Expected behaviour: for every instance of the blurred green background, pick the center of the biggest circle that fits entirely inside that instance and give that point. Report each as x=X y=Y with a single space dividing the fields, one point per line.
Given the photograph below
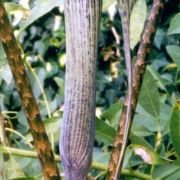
x=154 y=146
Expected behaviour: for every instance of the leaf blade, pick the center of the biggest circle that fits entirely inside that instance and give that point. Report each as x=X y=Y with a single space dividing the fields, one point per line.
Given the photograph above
x=137 y=20
x=41 y=8
x=149 y=96
x=174 y=53
x=104 y=132
x=175 y=25
x=175 y=128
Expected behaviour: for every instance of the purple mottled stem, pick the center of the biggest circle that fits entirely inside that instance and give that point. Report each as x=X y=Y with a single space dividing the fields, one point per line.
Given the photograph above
x=78 y=126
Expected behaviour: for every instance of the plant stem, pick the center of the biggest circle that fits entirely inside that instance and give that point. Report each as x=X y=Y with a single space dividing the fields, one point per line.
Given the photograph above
x=96 y=165
x=82 y=19
x=41 y=142
x=138 y=74
x=20 y=135
x=2 y=130
x=43 y=95
x=3 y=141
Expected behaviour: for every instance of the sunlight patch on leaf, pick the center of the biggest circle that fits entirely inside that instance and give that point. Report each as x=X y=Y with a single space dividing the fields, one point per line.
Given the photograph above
x=13 y=169
x=112 y=114
x=146 y=151
x=13 y=8
x=5 y=71
x=18 y=11
x=112 y=11
x=144 y=154
x=107 y=4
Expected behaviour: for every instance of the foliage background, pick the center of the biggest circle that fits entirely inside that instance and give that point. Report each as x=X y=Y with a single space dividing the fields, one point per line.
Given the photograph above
x=155 y=136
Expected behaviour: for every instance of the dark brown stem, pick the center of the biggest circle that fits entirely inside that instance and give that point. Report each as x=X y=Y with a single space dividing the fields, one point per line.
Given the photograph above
x=29 y=103
x=138 y=74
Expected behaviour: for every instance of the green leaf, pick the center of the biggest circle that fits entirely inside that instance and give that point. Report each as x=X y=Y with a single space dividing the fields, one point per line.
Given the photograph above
x=146 y=120
x=41 y=8
x=107 y=3
x=162 y=171
x=2 y=161
x=5 y=72
x=149 y=96
x=145 y=151
x=140 y=141
x=167 y=171
x=52 y=126
x=60 y=83
x=104 y=132
x=13 y=169
x=101 y=156
x=140 y=130
x=157 y=77
x=165 y=115
x=127 y=158
x=30 y=166
x=175 y=175
x=113 y=113
x=159 y=39
x=2 y=56
x=175 y=25
x=137 y=20
x=174 y=52
x=13 y=8
x=22 y=119
x=175 y=128
x=131 y=3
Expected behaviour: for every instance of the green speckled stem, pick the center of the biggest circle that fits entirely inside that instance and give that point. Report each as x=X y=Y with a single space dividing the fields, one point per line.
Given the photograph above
x=78 y=126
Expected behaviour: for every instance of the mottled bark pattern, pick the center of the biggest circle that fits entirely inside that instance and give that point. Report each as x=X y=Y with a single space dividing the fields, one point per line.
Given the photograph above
x=78 y=126
x=124 y=7
x=138 y=73
x=29 y=104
